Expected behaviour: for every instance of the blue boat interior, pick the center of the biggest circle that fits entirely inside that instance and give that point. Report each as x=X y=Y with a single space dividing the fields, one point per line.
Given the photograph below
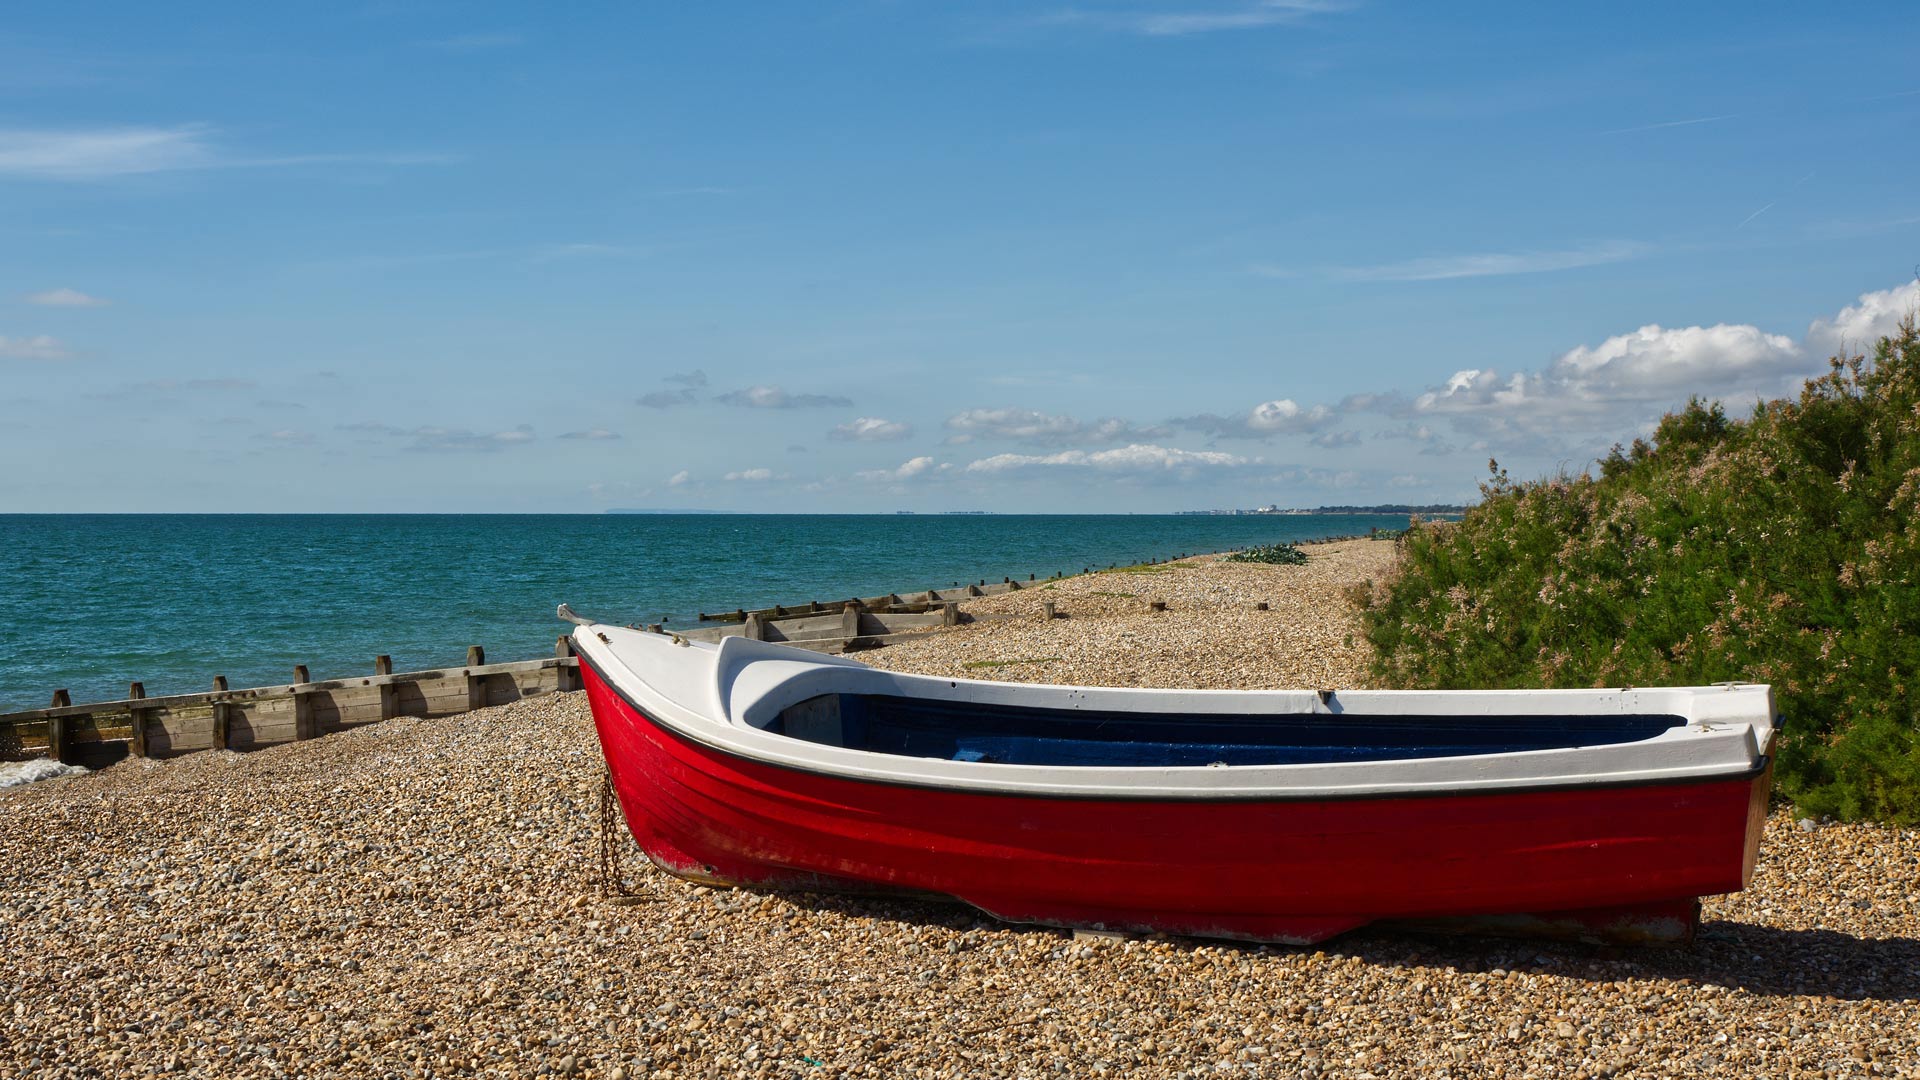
x=1019 y=735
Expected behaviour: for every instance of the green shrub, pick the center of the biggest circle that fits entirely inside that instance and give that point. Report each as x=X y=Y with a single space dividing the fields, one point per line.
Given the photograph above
x=1278 y=554
x=1784 y=549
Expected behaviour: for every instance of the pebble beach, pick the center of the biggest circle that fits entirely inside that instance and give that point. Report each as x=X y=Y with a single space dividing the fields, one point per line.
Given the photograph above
x=423 y=898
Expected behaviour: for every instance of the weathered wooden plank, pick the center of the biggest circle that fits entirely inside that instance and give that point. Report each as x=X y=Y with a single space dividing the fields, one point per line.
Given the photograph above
x=383 y=665
x=57 y=748
x=476 y=684
x=222 y=715
x=137 y=722
x=259 y=692
x=303 y=723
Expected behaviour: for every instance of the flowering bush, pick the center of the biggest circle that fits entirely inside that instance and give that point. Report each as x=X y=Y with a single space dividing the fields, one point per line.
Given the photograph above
x=1782 y=549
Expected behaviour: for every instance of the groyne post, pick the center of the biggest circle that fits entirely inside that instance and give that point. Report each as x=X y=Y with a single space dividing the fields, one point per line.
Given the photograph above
x=389 y=693
x=136 y=721
x=222 y=715
x=57 y=729
x=568 y=678
x=476 y=684
x=303 y=725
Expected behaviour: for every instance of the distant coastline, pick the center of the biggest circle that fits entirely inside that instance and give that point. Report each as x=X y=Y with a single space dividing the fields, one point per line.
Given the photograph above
x=1388 y=508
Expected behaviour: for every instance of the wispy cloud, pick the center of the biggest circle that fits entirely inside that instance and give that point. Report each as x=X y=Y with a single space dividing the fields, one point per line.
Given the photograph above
x=151 y=388
x=471 y=43
x=104 y=152
x=71 y=298
x=286 y=437
x=688 y=382
x=555 y=252
x=1139 y=461
x=101 y=153
x=1671 y=124
x=39 y=347
x=432 y=438
x=774 y=397
x=1255 y=15
x=1042 y=429
x=592 y=435
x=1745 y=221
x=1485 y=264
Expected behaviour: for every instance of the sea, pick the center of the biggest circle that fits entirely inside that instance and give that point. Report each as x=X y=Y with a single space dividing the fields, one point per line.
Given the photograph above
x=90 y=603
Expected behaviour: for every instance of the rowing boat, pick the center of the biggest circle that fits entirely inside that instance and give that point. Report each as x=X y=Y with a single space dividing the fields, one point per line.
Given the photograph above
x=1273 y=815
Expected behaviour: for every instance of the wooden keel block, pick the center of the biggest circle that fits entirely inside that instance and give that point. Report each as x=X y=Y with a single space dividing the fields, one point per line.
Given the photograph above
x=57 y=747
x=752 y=628
x=950 y=613
x=1047 y=612
x=136 y=721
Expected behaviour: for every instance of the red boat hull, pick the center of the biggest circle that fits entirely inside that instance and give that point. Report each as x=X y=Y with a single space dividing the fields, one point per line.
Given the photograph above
x=1615 y=861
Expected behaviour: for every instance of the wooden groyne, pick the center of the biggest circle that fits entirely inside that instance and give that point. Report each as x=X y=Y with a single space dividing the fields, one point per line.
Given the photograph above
x=102 y=732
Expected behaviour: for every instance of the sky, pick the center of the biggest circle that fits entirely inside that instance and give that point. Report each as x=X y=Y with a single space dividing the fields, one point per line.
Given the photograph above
x=1092 y=256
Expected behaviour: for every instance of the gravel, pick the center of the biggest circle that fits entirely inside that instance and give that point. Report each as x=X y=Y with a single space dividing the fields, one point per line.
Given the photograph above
x=419 y=898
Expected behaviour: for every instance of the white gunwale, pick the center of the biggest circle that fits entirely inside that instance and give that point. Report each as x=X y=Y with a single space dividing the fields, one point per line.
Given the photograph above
x=722 y=696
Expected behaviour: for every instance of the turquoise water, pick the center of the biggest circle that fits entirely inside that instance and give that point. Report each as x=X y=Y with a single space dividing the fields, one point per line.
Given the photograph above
x=91 y=602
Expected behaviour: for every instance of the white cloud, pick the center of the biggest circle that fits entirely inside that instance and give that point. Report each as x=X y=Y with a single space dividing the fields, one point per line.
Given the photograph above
x=1653 y=362
x=1041 y=429
x=593 y=434
x=774 y=397
x=870 y=429
x=1650 y=365
x=908 y=470
x=1858 y=325
x=754 y=476
x=1487 y=264
x=73 y=298
x=1282 y=416
x=679 y=479
x=40 y=347
x=1138 y=459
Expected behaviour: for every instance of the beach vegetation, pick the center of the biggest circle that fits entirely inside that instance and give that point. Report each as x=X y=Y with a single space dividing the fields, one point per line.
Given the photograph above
x=1288 y=554
x=1783 y=548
